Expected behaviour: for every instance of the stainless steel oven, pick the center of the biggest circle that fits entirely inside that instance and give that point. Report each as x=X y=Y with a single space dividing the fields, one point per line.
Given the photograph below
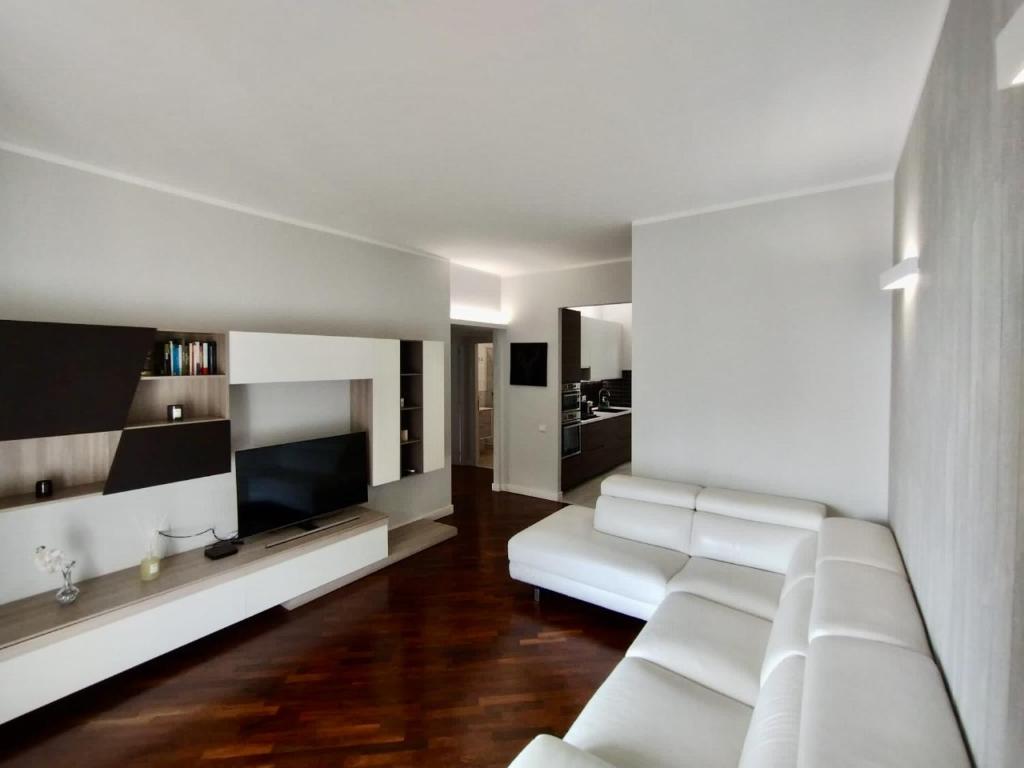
x=570 y=397
x=572 y=435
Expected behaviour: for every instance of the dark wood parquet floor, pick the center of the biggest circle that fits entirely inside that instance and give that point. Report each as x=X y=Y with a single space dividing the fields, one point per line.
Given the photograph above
x=439 y=660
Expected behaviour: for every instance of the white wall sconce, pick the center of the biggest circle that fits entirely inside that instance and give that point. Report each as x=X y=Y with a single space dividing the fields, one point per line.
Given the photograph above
x=900 y=276
x=1010 y=52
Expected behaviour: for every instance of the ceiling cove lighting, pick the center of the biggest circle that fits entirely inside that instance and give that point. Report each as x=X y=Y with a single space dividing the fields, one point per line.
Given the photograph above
x=1010 y=52
x=492 y=318
x=900 y=276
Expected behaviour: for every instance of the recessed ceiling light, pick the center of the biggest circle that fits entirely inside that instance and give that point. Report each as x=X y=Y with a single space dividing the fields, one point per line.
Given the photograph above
x=1010 y=52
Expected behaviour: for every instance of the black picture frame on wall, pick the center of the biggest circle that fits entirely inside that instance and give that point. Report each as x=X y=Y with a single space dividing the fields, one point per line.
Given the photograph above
x=528 y=364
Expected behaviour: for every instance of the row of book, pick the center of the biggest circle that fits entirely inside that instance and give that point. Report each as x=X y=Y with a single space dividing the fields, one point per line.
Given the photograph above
x=184 y=358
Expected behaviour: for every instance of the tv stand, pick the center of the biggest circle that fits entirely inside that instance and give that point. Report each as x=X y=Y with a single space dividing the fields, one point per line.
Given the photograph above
x=309 y=527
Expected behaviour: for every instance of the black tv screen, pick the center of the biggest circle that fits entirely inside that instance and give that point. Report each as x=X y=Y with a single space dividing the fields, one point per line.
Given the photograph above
x=291 y=483
x=528 y=364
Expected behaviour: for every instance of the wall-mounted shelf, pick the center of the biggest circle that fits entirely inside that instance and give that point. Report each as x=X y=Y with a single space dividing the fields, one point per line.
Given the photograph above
x=71 y=392
x=30 y=500
x=165 y=423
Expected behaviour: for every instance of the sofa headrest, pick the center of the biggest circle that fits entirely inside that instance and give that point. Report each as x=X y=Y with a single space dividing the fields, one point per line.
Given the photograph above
x=859 y=541
x=762 y=508
x=854 y=600
x=654 y=491
x=661 y=525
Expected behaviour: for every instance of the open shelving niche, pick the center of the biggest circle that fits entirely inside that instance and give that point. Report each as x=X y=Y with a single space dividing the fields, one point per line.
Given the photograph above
x=411 y=375
x=79 y=464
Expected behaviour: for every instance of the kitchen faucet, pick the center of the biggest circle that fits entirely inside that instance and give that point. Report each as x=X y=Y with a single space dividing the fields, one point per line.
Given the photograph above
x=604 y=397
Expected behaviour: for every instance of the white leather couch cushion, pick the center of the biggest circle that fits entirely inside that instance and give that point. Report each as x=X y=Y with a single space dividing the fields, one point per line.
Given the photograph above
x=654 y=491
x=860 y=542
x=644 y=715
x=746 y=589
x=711 y=644
x=758 y=545
x=548 y=752
x=774 y=734
x=658 y=524
x=762 y=508
x=613 y=601
x=789 y=630
x=565 y=544
x=855 y=600
x=803 y=564
x=869 y=703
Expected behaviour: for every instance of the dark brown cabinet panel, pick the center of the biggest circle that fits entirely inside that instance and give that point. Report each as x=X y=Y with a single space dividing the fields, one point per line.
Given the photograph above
x=166 y=454
x=572 y=338
x=606 y=444
x=66 y=379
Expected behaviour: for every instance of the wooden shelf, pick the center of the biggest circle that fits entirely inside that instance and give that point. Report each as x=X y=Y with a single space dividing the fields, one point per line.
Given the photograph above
x=409 y=442
x=61 y=494
x=413 y=408
x=165 y=423
x=186 y=378
x=412 y=374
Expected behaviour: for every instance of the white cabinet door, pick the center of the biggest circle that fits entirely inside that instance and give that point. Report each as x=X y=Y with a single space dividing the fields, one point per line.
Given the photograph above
x=433 y=405
x=101 y=648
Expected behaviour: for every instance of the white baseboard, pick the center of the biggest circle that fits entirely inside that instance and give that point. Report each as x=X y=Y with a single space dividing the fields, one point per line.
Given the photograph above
x=537 y=493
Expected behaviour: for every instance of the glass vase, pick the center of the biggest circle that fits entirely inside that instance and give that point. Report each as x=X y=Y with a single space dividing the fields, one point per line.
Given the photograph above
x=69 y=592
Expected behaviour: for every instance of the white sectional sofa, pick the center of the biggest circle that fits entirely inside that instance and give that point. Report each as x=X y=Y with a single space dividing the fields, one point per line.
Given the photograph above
x=776 y=637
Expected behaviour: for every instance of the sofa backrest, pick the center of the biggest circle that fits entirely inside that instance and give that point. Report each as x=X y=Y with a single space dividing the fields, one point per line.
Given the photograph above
x=752 y=529
x=873 y=694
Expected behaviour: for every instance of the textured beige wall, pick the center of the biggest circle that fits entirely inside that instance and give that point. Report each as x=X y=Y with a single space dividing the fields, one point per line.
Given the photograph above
x=955 y=494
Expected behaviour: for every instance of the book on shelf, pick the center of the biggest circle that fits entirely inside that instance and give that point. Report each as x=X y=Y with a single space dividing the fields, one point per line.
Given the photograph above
x=182 y=357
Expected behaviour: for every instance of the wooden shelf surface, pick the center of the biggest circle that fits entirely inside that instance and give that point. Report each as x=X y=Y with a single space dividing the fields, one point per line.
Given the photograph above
x=185 y=377
x=409 y=442
x=165 y=423
x=61 y=494
x=39 y=615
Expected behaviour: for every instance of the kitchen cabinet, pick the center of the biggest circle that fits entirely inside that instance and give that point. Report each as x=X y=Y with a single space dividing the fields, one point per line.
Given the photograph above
x=606 y=443
x=571 y=341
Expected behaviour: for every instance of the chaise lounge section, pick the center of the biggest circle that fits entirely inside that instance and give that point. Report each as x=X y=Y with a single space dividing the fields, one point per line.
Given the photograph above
x=776 y=636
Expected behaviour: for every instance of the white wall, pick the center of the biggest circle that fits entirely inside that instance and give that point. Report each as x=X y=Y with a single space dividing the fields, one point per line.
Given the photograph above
x=472 y=289
x=532 y=461
x=761 y=348
x=76 y=247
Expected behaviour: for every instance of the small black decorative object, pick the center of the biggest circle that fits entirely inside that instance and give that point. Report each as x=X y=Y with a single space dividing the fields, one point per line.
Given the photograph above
x=175 y=412
x=44 y=489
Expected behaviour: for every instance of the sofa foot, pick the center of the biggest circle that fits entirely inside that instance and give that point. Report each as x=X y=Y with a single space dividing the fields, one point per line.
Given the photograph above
x=536 y=594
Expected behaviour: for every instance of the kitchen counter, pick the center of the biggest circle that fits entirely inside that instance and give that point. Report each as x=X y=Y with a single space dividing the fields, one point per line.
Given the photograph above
x=598 y=416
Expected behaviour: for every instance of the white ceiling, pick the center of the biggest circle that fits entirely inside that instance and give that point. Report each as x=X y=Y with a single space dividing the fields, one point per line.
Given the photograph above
x=510 y=136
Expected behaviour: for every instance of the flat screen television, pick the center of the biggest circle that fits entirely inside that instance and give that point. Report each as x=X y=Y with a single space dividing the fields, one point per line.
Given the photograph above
x=294 y=483
x=528 y=364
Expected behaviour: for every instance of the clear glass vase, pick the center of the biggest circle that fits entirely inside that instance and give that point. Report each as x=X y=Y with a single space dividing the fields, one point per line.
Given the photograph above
x=69 y=592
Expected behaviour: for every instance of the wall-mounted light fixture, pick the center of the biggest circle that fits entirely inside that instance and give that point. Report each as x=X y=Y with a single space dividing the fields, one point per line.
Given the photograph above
x=482 y=316
x=900 y=276
x=1010 y=52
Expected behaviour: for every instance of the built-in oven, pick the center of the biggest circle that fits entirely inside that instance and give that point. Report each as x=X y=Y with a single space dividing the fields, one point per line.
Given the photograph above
x=570 y=397
x=572 y=436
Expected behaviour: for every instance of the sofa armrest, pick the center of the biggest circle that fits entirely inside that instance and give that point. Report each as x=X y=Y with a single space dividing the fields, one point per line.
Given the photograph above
x=548 y=752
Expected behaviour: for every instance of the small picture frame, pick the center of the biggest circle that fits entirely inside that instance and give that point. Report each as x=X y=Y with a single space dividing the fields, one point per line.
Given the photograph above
x=175 y=412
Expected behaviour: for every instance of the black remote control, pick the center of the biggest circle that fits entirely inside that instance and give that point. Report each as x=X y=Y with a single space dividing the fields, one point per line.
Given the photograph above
x=220 y=549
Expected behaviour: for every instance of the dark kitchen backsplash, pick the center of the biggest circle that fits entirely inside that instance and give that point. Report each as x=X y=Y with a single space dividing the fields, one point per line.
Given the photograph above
x=621 y=390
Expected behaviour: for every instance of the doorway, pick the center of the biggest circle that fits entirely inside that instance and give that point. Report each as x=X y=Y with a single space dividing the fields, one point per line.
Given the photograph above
x=473 y=401
x=484 y=404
